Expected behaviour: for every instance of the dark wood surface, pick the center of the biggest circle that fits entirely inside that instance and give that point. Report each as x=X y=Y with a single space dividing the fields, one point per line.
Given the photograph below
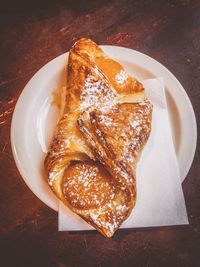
x=31 y=34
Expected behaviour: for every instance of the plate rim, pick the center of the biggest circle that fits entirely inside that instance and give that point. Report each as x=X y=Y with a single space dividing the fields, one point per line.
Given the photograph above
x=19 y=165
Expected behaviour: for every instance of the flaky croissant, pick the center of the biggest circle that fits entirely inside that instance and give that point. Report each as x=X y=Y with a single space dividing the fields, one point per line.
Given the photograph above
x=91 y=163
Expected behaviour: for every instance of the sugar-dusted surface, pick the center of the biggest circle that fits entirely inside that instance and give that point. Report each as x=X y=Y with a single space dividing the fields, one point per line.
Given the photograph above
x=78 y=184
x=87 y=185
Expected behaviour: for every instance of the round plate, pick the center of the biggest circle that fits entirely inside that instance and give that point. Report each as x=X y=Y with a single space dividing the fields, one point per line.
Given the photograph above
x=36 y=115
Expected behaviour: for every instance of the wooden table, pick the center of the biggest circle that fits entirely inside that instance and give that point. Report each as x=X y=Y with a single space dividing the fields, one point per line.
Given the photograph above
x=31 y=35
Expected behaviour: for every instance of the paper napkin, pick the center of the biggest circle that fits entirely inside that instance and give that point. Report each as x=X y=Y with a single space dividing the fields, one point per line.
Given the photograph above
x=160 y=199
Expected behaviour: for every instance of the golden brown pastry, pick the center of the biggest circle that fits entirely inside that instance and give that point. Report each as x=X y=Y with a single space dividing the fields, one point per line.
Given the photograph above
x=91 y=163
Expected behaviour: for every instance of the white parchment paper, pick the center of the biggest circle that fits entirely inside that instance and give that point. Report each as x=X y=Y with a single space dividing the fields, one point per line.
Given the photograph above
x=160 y=200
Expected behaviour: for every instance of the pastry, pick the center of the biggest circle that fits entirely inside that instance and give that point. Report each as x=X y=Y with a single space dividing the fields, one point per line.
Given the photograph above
x=92 y=158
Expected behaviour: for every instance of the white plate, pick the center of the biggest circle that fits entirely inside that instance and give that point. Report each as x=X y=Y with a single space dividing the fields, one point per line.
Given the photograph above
x=35 y=116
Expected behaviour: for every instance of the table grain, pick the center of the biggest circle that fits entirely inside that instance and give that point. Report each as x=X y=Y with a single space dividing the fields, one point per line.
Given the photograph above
x=31 y=34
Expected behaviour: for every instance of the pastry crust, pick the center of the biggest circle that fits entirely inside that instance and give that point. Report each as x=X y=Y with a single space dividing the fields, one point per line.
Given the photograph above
x=91 y=163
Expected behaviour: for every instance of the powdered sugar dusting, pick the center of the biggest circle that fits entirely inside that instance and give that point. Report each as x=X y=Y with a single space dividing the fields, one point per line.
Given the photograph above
x=97 y=93
x=110 y=216
x=121 y=77
x=87 y=186
x=88 y=189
